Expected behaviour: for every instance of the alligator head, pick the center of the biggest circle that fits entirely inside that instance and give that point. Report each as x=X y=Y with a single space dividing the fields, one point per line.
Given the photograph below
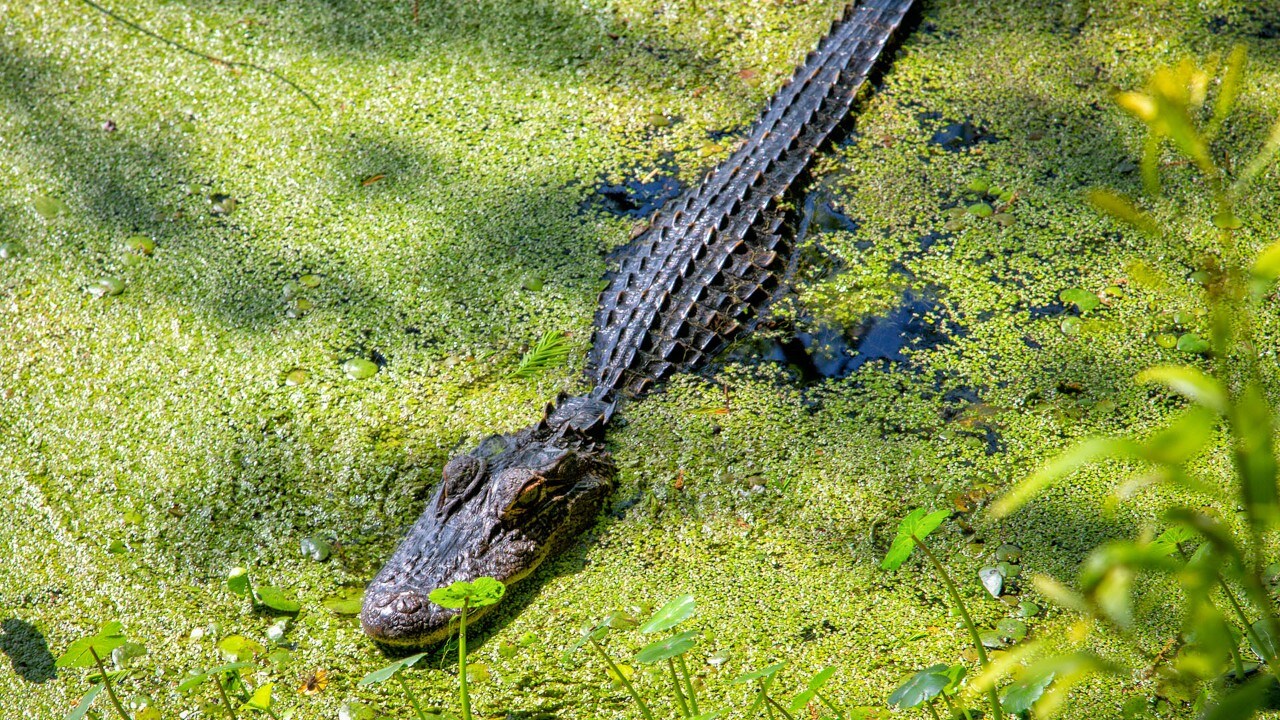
x=498 y=511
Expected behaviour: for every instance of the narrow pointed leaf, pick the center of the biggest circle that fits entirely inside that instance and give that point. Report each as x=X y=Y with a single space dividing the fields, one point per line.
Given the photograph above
x=1255 y=456
x=1060 y=467
x=1191 y=383
x=83 y=708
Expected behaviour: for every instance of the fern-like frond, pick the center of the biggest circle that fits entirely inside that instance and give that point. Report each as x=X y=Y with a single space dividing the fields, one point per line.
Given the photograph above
x=551 y=349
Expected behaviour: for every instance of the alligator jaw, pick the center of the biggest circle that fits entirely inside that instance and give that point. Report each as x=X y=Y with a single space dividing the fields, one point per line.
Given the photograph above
x=498 y=512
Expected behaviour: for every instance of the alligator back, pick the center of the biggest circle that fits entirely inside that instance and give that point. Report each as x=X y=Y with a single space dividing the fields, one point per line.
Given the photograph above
x=713 y=258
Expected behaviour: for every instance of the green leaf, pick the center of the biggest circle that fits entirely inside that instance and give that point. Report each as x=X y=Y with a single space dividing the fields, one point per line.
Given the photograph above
x=954 y=674
x=1229 y=88
x=238 y=580
x=1259 y=161
x=1241 y=703
x=83 y=708
x=1060 y=467
x=261 y=698
x=238 y=647
x=1265 y=645
x=1267 y=265
x=48 y=207
x=917 y=524
x=667 y=648
x=387 y=671
x=276 y=599
x=1021 y=695
x=670 y=615
x=192 y=682
x=765 y=672
x=551 y=349
x=345 y=604
x=479 y=593
x=818 y=680
x=1081 y=298
x=1255 y=456
x=80 y=652
x=920 y=688
x=1122 y=209
x=1192 y=343
x=1182 y=439
x=1191 y=383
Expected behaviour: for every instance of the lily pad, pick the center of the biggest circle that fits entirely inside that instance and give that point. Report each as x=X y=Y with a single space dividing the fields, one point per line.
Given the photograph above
x=667 y=648
x=668 y=616
x=359 y=368
x=1081 y=298
x=276 y=599
x=48 y=207
x=105 y=286
x=1192 y=343
x=920 y=688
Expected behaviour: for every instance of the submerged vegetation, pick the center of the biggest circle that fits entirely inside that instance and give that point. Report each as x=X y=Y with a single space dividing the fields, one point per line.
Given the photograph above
x=218 y=349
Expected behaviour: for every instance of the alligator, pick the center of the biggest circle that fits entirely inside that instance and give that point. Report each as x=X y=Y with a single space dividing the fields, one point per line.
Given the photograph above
x=711 y=262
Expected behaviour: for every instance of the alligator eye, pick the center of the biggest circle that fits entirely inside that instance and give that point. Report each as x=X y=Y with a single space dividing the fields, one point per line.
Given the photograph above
x=459 y=475
x=530 y=495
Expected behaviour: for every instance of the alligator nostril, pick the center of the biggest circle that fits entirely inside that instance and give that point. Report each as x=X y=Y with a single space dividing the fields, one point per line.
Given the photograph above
x=408 y=602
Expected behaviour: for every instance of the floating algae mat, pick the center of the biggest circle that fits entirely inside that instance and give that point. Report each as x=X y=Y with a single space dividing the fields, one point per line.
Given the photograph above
x=185 y=418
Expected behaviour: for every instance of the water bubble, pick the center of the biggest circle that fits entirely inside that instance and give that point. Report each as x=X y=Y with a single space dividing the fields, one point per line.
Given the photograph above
x=359 y=368
x=222 y=204
x=1071 y=325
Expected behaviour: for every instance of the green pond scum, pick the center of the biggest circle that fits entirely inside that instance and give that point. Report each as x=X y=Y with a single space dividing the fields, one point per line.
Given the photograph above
x=230 y=322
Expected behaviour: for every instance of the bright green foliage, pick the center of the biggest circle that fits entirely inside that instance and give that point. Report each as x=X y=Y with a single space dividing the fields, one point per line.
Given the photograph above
x=1218 y=562
x=479 y=593
x=917 y=525
x=81 y=652
x=387 y=671
x=920 y=688
x=668 y=616
x=667 y=648
x=552 y=349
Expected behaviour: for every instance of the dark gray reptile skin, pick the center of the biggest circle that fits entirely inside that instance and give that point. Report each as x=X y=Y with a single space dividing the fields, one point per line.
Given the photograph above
x=716 y=256
x=709 y=264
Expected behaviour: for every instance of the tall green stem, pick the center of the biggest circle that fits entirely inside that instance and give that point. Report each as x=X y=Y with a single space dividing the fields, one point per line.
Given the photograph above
x=106 y=682
x=226 y=701
x=675 y=683
x=631 y=689
x=688 y=681
x=992 y=698
x=463 y=698
x=413 y=700
x=774 y=703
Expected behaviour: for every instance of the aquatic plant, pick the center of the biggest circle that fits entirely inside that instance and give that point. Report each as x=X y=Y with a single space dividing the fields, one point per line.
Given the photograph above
x=671 y=650
x=88 y=652
x=229 y=679
x=267 y=596
x=912 y=532
x=551 y=349
x=1219 y=559
x=396 y=670
x=467 y=596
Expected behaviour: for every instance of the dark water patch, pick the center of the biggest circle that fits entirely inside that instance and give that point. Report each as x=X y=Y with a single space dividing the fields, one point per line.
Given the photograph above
x=638 y=196
x=830 y=351
x=27 y=649
x=954 y=135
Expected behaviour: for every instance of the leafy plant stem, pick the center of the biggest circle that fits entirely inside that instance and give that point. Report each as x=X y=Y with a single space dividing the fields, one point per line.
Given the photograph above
x=822 y=698
x=992 y=698
x=675 y=683
x=106 y=681
x=774 y=703
x=688 y=681
x=272 y=713
x=413 y=700
x=226 y=701
x=644 y=709
x=951 y=705
x=463 y=698
x=933 y=712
